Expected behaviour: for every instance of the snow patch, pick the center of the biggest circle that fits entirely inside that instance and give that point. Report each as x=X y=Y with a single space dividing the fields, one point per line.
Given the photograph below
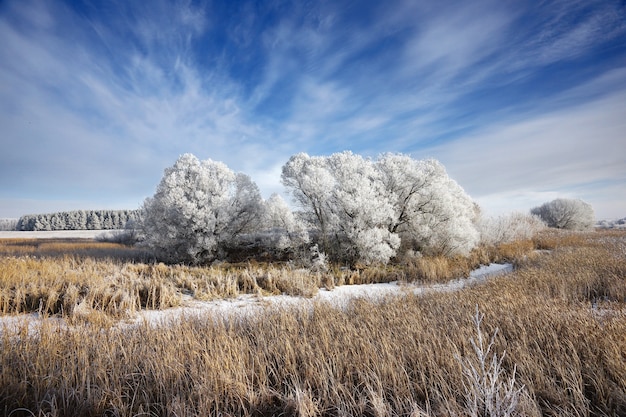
x=339 y=297
x=54 y=234
x=251 y=304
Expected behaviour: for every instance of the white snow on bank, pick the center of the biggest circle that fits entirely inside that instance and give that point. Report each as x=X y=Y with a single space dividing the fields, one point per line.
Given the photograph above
x=491 y=270
x=55 y=234
x=338 y=297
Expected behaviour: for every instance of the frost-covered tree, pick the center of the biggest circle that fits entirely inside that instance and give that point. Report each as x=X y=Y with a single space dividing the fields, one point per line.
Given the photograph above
x=289 y=230
x=310 y=183
x=361 y=211
x=198 y=207
x=433 y=214
x=345 y=202
x=42 y=222
x=8 y=224
x=93 y=221
x=564 y=213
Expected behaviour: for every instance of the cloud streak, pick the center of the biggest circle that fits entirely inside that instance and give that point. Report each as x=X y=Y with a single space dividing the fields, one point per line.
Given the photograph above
x=572 y=151
x=98 y=99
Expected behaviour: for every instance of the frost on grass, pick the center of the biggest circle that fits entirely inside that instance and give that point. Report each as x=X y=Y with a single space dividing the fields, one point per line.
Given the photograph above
x=488 y=393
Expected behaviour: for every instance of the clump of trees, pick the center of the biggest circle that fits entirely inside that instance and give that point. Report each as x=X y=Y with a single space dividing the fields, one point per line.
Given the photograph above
x=564 y=213
x=78 y=220
x=612 y=224
x=7 y=224
x=198 y=208
x=350 y=208
x=365 y=210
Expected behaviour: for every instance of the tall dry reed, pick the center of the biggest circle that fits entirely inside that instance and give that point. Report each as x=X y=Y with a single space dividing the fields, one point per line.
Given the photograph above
x=561 y=331
x=79 y=278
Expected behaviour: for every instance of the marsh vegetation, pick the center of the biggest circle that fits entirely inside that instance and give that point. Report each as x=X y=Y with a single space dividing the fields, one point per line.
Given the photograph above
x=560 y=342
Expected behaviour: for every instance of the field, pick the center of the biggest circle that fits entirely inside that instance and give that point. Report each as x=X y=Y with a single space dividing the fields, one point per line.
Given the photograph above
x=547 y=339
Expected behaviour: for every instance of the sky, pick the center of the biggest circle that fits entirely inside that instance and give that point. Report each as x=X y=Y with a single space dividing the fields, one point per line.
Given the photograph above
x=522 y=102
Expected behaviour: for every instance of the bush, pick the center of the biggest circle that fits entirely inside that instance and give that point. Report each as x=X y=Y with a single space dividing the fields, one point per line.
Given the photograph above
x=564 y=213
x=509 y=228
x=487 y=393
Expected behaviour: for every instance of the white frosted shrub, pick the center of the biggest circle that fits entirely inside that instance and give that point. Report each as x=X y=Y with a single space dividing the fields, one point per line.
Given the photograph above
x=564 y=213
x=509 y=228
x=318 y=260
x=198 y=207
x=377 y=245
x=488 y=391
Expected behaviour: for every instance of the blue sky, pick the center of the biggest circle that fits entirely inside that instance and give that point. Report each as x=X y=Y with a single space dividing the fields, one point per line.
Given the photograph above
x=522 y=102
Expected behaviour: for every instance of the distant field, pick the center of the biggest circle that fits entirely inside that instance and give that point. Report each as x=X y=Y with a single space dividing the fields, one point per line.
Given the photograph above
x=56 y=234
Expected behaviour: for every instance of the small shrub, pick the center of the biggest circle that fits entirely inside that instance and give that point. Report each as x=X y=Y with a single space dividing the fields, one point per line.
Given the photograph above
x=487 y=394
x=509 y=228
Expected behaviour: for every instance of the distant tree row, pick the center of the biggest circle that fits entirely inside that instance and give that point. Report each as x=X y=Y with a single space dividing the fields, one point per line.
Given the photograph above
x=8 y=224
x=78 y=220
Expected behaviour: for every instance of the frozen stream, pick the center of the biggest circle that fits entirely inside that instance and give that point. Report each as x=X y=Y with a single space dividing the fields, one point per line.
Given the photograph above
x=338 y=297
x=252 y=304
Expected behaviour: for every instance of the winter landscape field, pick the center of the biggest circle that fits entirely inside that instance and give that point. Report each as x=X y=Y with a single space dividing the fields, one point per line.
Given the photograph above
x=312 y=208
x=93 y=328
x=383 y=291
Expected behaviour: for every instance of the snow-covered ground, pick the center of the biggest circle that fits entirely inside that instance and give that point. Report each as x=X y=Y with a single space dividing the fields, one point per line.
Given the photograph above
x=56 y=234
x=245 y=305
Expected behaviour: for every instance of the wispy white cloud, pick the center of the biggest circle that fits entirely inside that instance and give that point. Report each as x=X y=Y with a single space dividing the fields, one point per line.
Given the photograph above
x=87 y=126
x=105 y=100
x=576 y=149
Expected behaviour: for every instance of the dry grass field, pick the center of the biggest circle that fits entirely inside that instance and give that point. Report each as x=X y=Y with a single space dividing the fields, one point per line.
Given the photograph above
x=548 y=339
x=85 y=279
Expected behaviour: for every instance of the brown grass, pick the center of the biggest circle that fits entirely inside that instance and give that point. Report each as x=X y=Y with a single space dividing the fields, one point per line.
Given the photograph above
x=70 y=285
x=561 y=320
x=83 y=248
x=81 y=278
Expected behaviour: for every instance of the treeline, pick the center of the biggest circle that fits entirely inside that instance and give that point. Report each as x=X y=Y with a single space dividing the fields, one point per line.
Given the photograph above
x=612 y=224
x=8 y=224
x=78 y=220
